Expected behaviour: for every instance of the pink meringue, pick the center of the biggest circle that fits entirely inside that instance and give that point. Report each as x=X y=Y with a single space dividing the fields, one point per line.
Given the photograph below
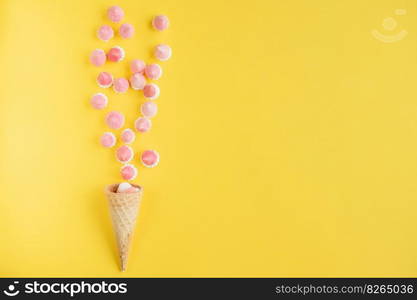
x=132 y=190
x=163 y=52
x=104 y=79
x=120 y=85
x=116 y=54
x=124 y=154
x=160 y=22
x=151 y=91
x=115 y=120
x=128 y=172
x=143 y=124
x=99 y=101
x=98 y=57
x=128 y=136
x=153 y=71
x=108 y=140
x=149 y=109
x=137 y=66
x=137 y=81
x=115 y=13
x=105 y=33
x=150 y=158
x=126 y=31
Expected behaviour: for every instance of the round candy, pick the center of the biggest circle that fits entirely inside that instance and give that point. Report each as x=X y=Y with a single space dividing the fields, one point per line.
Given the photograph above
x=104 y=79
x=137 y=66
x=151 y=91
x=108 y=140
x=99 y=101
x=124 y=186
x=120 y=85
x=160 y=22
x=163 y=52
x=150 y=158
x=143 y=124
x=115 y=120
x=126 y=31
x=137 y=81
x=115 y=13
x=149 y=109
x=132 y=190
x=153 y=71
x=105 y=33
x=98 y=57
x=128 y=136
x=124 y=154
x=128 y=172
x=116 y=54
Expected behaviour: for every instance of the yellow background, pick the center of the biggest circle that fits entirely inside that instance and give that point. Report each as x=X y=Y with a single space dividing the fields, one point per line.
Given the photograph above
x=287 y=134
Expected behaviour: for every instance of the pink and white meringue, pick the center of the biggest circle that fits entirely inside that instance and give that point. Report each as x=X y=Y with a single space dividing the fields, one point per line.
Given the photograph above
x=104 y=79
x=105 y=33
x=163 y=52
x=123 y=187
x=108 y=140
x=99 y=101
x=149 y=109
x=115 y=120
x=153 y=71
x=126 y=187
x=137 y=81
x=160 y=22
x=124 y=154
x=127 y=136
x=143 y=124
x=150 y=158
x=137 y=66
x=115 y=13
x=126 y=31
x=120 y=85
x=98 y=57
x=151 y=91
x=116 y=54
x=128 y=172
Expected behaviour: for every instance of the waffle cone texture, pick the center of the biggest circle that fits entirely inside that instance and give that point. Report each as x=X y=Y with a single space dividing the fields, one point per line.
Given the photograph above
x=124 y=208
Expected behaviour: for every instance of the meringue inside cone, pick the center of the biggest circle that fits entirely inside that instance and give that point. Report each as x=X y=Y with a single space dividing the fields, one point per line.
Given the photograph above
x=113 y=187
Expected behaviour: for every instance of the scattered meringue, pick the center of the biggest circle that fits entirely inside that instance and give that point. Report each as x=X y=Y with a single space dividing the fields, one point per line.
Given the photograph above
x=143 y=124
x=128 y=136
x=137 y=66
x=128 y=172
x=116 y=54
x=137 y=81
x=99 y=101
x=150 y=158
x=115 y=120
x=126 y=31
x=120 y=85
x=108 y=140
x=98 y=57
x=153 y=71
x=104 y=80
x=105 y=33
x=124 y=154
x=160 y=22
x=151 y=91
x=163 y=52
x=115 y=13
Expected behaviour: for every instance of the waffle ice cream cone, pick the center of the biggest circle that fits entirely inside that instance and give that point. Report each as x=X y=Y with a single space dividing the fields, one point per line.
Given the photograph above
x=124 y=208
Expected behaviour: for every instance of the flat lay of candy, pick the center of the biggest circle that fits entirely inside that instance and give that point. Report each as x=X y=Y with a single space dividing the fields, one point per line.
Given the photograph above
x=140 y=80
